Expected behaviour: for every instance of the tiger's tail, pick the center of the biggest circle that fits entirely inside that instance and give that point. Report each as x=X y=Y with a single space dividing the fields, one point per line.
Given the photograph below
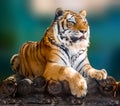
x=15 y=62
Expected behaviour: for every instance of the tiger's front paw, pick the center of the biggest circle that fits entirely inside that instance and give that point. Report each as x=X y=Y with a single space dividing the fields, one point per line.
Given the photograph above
x=78 y=86
x=77 y=83
x=98 y=74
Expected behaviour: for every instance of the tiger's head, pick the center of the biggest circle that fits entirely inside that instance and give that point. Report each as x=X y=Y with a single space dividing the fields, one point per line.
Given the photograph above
x=71 y=28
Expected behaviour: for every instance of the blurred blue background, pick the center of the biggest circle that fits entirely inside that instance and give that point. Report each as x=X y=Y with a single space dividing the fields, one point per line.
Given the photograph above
x=23 y=20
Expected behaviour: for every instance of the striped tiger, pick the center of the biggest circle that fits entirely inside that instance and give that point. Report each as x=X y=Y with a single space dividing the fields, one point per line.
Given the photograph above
x=61 y=54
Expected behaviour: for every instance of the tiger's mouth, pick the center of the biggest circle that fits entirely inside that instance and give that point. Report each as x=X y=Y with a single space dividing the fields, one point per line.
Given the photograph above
x=74 y=39
x=82 y=37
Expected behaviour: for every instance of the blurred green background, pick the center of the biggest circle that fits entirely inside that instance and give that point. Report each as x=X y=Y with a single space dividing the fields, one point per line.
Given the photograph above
x=27 y=20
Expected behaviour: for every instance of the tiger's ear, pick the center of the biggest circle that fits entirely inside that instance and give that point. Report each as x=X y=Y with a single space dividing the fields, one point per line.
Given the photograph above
x=83 y=13
x=59 y=12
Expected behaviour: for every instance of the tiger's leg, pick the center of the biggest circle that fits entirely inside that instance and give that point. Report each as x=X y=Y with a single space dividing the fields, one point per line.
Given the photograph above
x=15 y=62
x=94 y=73
x=76 y=82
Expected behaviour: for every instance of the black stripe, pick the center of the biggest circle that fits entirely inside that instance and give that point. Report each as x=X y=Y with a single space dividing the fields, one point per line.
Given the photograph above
x=43 y=43
x=58 y=27
x=65 y=50
x=76 y=55
x=83 y=67
x=51 y=61
x=26 y=57
x=37 y=60
x=40 y=47
x=38 y=52
x=62 y=25
x=61 y=58
x=81 y=62
x=60 y=46
x=64 y=32
x=62 y=53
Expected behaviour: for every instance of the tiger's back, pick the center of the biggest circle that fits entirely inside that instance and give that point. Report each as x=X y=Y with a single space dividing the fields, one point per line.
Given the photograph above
x=29 y=62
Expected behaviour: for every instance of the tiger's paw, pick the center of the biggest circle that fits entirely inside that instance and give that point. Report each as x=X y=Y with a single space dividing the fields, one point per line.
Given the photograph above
x=8 y=87
x=98 y=74
x=77 y=83
x=108 y=86
x=78 y=86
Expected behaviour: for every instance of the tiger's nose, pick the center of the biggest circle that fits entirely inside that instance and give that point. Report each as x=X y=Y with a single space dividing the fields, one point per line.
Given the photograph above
x=83 y=31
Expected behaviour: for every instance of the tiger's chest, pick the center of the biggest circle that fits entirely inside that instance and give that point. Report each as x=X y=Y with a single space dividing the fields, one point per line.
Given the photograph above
x=78 y=59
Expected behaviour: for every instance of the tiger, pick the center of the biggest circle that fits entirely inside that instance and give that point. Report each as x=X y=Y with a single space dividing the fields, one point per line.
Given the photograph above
x=61 y=54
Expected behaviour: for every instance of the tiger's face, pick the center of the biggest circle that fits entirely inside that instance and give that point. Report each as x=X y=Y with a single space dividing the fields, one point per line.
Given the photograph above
x=71 y=28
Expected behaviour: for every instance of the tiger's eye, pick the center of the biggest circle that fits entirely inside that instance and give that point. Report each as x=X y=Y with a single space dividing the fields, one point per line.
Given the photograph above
x=70 y=24
x=85 y=23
